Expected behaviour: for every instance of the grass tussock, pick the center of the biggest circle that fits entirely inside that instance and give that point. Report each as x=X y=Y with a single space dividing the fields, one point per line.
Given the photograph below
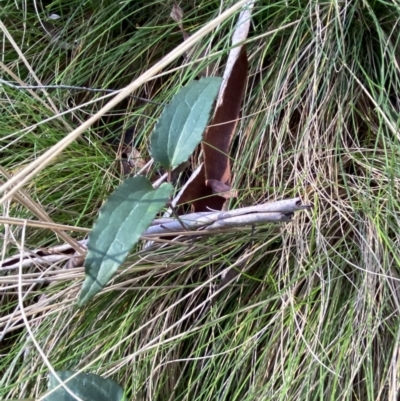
x=315 y=313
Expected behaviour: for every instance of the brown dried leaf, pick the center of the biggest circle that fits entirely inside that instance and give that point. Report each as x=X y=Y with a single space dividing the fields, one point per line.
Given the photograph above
x=132 y=162
x=177 y=13
x=240 y=35
x=75 y=261
x=218 y=137
x=193 y=192
x=177 y=16
x=221 y=189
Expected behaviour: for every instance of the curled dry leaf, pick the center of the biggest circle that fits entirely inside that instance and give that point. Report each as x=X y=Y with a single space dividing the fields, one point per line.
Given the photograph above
x=177 y=16
x=221 y=189
x=191 y=190
x=75 y=261
x=239 y=35
x=218 y=138
x=131 y=161
x=219 y=135
x=176 y=13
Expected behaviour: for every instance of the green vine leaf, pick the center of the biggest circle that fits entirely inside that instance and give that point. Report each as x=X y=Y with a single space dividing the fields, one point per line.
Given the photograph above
x=183 y=121
x=86 y=386
x=126 y=214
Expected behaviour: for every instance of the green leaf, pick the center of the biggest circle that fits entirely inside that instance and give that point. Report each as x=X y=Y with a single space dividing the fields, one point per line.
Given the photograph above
x=127 y=213
x=183 y=121
x=87 y=386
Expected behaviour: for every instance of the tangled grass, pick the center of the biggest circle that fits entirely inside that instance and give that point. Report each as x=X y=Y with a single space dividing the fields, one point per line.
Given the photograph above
x=314 y=313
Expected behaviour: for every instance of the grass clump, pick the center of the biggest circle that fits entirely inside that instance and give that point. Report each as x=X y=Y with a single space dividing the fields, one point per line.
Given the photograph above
x=315 y=314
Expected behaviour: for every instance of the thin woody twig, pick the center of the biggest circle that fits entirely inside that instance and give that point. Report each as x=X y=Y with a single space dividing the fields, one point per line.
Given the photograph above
x=199 y=223
x=271 y=212
x=71 y=87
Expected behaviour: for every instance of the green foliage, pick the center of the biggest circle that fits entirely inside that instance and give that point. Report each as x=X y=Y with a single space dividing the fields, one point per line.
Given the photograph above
x=87 y=386
x=315 y=314
x=129 y=211
x=182 y=123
